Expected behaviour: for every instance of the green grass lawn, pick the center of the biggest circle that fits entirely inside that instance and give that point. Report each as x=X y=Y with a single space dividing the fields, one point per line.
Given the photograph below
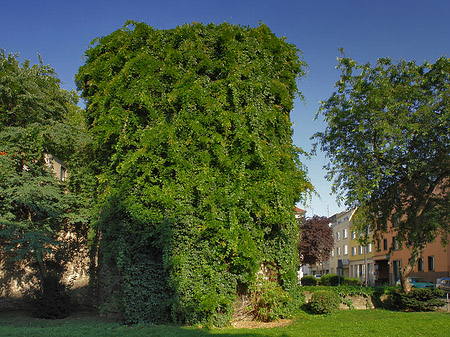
x=344 y=323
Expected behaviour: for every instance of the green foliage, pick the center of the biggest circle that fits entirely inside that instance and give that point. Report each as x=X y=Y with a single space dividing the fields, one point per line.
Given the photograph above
x=331 y=280
x=193 y=149
x=309 y=280
x=271 y=302
x=387 y=140
x=145 y=296
x=324 y=302
x=296 y=302
x=423 y=299
x=34 y=205
x=352 y=281
x=30 y=93
x=349 y=290
x=381 y=296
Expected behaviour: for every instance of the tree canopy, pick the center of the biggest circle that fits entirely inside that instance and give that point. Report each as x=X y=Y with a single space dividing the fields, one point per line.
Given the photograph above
x=34 y=206
x=388 y=140
x=198 y=175
x=316 y=240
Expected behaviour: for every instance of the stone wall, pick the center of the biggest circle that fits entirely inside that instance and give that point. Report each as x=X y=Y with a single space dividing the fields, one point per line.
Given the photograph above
x=71 y=261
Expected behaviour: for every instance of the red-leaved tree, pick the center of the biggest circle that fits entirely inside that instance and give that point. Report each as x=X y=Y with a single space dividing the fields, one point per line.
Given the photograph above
x=316 y=240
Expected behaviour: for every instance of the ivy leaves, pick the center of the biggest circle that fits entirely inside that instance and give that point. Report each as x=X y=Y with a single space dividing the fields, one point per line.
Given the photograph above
x=192 y=134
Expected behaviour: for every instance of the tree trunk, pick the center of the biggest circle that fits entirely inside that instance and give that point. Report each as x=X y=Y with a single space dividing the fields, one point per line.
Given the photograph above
x=417 y=251
x=407 y=270
x=40 y=262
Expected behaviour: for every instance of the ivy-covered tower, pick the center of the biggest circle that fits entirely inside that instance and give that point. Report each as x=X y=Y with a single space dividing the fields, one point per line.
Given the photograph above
x=197 y=172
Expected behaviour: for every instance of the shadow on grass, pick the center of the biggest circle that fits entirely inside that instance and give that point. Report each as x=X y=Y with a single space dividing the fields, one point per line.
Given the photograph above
x=17 y=323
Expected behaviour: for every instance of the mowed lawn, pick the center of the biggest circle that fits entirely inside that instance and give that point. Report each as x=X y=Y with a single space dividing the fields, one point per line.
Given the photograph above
x=344 y=323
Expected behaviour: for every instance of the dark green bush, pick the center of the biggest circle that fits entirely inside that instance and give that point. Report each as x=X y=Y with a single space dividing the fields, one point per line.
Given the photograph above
x=309 y=280
x=51 y=300
x=331 y=280
x=324 y=302
x=423 y=299
x=145 y=296
x=354 y=281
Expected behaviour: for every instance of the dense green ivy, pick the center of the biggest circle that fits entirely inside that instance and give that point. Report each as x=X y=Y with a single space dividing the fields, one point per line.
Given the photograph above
x=196 y=167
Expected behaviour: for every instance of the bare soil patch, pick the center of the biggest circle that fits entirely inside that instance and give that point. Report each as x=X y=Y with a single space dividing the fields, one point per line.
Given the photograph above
x=250 y=324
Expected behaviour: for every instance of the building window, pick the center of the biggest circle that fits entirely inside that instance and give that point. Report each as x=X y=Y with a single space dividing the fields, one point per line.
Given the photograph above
x=360 y=250
x=369 y=248
x=394 y=243
x=420 y=264
x=353 y=235
x=338 y=236
x=63 y=173
x=332 y=253
x=385 y=245
x=345 y=249
x=396 y=268
x=430 y=263
x=353 y=251
x=360 y=270
x=344 y=233
x=338 y=251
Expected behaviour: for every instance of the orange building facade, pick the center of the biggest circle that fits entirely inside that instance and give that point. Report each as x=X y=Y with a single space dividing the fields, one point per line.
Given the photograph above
x=434 y=262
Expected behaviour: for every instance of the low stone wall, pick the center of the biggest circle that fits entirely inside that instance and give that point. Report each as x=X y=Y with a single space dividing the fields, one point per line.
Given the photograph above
x=357 y=302
x=71 y=262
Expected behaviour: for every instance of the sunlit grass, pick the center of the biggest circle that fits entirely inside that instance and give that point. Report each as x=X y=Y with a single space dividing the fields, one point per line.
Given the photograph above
x=344 y=323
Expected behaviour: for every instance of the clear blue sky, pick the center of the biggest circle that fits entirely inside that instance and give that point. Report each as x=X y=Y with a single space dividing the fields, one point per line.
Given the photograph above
x=400 y=29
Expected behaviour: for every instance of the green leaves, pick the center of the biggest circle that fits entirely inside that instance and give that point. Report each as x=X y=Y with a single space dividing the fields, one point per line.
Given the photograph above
x=192 y=138
x=30 y=93
x=389 y=147
x=35 y=207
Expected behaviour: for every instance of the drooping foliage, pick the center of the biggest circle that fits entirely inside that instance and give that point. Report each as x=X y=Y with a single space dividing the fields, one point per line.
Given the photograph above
x=197 y=172
x=388 y=140
x=34 y=206
x=316 y=240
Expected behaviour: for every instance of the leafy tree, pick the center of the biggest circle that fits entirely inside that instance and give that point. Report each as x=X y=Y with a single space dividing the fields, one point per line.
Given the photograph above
x=389 y=147
x=316 y=240
x=197 y=172
x=34 y=205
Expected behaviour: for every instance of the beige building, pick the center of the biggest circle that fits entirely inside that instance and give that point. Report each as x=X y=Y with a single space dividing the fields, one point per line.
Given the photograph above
x=361 y=257
x=340 y=255
x=57 y=165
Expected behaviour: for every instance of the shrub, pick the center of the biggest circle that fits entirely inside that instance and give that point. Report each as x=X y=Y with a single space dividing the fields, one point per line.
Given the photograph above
x=354 y=281
x=423 y=299
x=51 y=300
x=270 y=302
x=308 y=280
x=296 y=302
x=331 y=280
x=382 y=297
x=324 y=302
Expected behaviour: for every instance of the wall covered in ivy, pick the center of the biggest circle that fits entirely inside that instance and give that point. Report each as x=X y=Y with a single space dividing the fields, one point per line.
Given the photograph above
x=197 y=173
